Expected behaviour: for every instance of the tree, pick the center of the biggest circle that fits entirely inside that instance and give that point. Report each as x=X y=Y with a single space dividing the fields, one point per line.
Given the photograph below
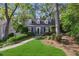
x=70 y=19
x=8 y=18
x=47 y=11
x=24 y=13
x=57 y=19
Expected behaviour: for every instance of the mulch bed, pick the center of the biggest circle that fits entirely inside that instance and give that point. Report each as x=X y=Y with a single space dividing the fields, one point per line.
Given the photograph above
x=70 y=50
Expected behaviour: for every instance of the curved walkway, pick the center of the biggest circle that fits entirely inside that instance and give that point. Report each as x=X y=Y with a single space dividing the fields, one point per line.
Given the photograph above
x=16 y=45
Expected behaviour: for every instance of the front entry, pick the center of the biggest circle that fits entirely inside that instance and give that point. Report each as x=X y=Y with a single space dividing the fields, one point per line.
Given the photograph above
x=38 y=30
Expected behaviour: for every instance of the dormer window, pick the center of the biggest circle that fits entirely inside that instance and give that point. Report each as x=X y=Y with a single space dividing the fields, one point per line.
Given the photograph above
x=38 y=21
x=46 y=21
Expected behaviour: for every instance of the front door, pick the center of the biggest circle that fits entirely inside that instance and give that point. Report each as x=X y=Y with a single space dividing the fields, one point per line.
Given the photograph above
x=38 y=31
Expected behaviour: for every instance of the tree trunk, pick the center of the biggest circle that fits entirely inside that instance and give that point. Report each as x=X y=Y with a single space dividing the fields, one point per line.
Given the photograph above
x=6 y=29
x=57 y=22
x=8 y=18
x=7 y=23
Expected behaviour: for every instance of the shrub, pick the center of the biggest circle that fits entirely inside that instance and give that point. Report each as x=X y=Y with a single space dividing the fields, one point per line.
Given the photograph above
x=19 y=28
x=48 y=33
x=17 y=38
x=10 y=35
x=41 y=37
x=38 y=38
x=22 y=29
x=77 y=53
x=58 y=38
x=77 y=39
x=53 y=36
x=64 y=41
x=1 y=44
x=1 y=40
x=30 y=34
x=49 y=37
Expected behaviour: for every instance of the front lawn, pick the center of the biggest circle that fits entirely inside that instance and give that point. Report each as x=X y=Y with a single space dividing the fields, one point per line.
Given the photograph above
x=33 y=48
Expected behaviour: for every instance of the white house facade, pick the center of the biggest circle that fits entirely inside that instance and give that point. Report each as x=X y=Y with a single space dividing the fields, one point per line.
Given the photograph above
x=39 y=27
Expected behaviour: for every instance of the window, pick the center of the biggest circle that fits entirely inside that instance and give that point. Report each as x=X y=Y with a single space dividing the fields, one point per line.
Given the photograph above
x=46 y=21
x=38 y=21
x=46 y=29
x=29 y=29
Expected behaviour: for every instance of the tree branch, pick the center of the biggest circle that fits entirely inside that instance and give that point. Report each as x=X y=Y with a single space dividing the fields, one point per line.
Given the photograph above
x=13 y=11
x=6 y=11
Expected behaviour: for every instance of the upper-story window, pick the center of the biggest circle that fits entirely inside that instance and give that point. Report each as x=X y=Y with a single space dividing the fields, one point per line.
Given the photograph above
x=38 y=21
x=46 y=21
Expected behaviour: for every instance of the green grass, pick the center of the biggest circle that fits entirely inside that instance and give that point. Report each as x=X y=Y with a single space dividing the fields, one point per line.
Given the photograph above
x=33 y=48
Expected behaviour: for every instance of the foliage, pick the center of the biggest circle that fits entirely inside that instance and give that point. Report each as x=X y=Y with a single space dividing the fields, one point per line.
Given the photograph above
x=49 y=37
x=64 y=41
x=58 y=38
x=77 y=39
x=22 y=29
x=77 y=53
x=69 y=19
x=30 y=34
x=16 y=38
x=47 y=10
x=25 y=13
x=34 y=48
x=1 y=44
x=47 y=33
x=53 y=36
x=10 y=35
x=6 y=14
x=10 y=9
x=40 y=37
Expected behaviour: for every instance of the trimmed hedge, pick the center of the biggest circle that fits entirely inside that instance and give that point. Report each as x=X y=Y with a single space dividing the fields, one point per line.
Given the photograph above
x=17 y=38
